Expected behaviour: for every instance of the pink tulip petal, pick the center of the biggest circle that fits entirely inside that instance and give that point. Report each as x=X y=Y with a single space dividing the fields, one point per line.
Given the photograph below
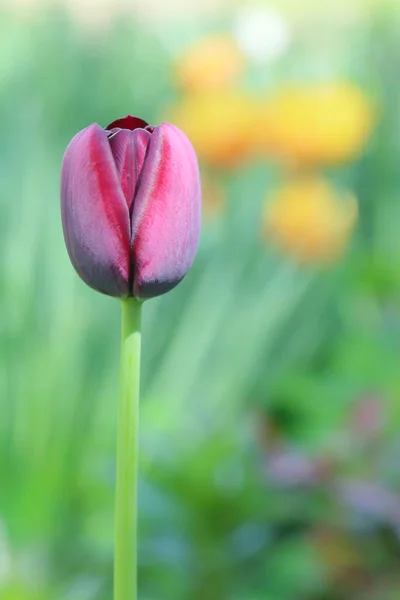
x=166 y=213
x=129 y=150
x=95 y=214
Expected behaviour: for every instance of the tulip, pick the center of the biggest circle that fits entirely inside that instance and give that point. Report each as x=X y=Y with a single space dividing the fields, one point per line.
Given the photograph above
x=130 y=206
x=130 y=203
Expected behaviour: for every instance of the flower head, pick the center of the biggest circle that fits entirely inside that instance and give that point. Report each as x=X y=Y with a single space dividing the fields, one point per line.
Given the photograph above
x=130 y=204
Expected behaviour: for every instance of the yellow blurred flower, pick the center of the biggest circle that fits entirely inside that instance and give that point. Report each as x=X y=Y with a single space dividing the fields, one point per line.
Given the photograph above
x=316 y=124
x=220 y=125
x=211 y=63
x=311 y=220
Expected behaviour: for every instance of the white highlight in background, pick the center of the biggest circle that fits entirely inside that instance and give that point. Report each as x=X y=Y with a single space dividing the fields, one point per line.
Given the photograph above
x=262 y=33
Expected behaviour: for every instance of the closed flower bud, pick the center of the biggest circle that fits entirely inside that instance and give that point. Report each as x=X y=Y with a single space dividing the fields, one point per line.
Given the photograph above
x=131 y=207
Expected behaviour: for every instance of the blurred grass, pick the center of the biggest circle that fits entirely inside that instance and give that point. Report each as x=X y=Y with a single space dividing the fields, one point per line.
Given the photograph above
x=253 y=369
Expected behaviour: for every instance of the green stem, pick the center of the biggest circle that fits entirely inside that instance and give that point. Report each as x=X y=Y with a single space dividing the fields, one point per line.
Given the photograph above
x=125 y=558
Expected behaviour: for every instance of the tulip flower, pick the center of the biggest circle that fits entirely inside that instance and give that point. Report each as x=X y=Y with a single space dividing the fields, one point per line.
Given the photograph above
x=130 y=198
x=130 y=206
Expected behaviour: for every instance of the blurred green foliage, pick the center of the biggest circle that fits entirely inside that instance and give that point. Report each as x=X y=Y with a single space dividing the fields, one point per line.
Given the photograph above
x=270 y=404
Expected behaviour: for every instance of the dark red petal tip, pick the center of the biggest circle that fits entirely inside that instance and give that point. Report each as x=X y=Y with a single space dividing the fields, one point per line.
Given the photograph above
x=128 y=122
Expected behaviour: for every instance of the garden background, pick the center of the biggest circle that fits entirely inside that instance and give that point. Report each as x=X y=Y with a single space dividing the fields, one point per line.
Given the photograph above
x=270 y=415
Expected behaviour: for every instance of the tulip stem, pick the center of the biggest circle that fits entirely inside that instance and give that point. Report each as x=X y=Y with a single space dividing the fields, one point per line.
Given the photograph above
x=125 y=557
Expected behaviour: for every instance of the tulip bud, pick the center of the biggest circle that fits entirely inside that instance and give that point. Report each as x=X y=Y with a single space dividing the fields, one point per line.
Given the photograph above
x=130 y=206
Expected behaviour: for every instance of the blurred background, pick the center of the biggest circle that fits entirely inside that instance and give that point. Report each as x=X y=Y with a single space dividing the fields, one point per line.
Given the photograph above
x=270 y=416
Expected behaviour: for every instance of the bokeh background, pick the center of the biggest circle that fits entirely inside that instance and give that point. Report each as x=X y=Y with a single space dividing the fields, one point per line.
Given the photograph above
x=270 y=416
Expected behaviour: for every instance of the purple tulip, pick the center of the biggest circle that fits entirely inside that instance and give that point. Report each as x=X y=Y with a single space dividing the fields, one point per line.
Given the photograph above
x=130 y=205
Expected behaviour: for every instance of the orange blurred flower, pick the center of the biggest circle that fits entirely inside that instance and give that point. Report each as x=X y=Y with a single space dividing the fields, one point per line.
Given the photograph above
x=316 y=124
x=211 y=63
x=220 y=125
x=310 y=220
x=213 y=196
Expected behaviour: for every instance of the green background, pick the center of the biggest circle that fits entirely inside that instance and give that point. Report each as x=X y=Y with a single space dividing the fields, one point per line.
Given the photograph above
x=270 y=448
